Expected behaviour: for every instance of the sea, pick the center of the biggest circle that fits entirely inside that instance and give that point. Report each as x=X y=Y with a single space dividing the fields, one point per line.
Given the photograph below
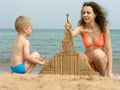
x=49 y=42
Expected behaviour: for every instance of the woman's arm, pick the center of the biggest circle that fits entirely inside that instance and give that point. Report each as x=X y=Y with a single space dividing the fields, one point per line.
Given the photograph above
x=108 y=49
x=75 y=32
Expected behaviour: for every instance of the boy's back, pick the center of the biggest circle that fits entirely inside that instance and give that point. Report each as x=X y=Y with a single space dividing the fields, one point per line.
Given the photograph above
x=17 y=52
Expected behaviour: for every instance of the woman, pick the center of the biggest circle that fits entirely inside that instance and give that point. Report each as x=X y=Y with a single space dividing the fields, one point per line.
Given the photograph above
x=96 y=37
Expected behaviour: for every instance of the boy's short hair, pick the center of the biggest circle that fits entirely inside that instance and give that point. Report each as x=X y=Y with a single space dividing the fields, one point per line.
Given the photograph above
x=21 y=22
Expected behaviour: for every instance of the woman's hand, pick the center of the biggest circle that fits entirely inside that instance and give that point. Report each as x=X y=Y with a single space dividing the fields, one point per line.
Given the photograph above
x=68 y=26
x=110 y=74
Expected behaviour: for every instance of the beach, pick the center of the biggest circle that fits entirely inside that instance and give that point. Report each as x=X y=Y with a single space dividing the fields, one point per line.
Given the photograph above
x=48 y=46
x=56 y=82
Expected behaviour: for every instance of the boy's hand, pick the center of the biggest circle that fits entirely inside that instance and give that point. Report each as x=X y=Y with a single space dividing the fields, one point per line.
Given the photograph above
x=43 y=61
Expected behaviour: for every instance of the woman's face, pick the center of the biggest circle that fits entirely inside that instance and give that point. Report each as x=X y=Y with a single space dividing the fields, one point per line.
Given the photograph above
x=88 y=15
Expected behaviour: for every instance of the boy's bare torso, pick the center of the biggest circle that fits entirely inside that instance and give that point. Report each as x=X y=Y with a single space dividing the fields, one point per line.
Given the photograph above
x=18 y=51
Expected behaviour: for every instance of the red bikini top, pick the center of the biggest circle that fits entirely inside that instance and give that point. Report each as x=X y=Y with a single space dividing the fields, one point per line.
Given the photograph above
x=99 y=42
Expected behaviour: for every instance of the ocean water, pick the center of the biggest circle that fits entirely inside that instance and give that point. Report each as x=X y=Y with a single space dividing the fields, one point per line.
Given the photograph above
x=48 y=42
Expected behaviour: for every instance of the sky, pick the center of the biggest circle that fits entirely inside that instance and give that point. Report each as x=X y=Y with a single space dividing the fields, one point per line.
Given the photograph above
x=51 y=14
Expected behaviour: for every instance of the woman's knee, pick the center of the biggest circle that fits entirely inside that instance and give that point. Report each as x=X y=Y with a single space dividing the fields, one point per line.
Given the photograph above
x=100 y=57
x=98 y=53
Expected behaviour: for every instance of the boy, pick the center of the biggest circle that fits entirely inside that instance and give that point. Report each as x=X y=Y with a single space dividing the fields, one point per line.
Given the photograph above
x=21 y=60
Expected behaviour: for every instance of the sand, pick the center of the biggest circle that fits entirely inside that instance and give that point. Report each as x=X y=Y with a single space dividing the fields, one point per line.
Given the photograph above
x=56 y=82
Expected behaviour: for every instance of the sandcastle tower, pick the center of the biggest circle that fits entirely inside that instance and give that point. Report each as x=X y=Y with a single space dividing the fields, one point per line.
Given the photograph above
x=67 y=61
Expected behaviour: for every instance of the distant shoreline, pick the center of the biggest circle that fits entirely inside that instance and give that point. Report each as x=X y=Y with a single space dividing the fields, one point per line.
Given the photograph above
x=44 y=29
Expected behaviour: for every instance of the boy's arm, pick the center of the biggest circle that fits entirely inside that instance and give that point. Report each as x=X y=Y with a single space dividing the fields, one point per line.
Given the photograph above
x=27 y=55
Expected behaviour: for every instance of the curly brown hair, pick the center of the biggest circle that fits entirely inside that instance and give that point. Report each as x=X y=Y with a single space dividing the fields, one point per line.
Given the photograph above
x=100 y=18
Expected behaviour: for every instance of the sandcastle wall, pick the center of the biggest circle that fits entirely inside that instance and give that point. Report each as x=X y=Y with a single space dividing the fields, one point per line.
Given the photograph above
x=68 y=61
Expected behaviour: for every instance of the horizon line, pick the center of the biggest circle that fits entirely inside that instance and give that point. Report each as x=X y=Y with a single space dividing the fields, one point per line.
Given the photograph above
x=54 y=28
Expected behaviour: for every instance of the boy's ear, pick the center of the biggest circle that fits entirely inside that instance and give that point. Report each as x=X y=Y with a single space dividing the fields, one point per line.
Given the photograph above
x=25 y=29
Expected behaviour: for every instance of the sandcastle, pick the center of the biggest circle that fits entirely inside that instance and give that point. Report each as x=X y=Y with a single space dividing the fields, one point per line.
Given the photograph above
x=68 y=61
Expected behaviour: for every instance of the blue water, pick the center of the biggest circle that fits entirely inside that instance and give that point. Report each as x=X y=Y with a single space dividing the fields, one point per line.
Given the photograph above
x=48 y=42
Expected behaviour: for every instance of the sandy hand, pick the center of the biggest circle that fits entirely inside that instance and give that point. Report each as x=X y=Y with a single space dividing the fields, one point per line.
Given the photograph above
x=110 y=74
x=68 y=26
x=43 y=61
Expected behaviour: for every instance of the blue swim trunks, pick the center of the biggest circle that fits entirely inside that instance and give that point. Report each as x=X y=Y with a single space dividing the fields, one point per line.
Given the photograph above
x=18 y=69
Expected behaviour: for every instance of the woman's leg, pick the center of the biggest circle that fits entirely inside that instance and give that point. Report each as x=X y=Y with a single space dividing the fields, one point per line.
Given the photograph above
x=30 y=66
x=100 y=61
